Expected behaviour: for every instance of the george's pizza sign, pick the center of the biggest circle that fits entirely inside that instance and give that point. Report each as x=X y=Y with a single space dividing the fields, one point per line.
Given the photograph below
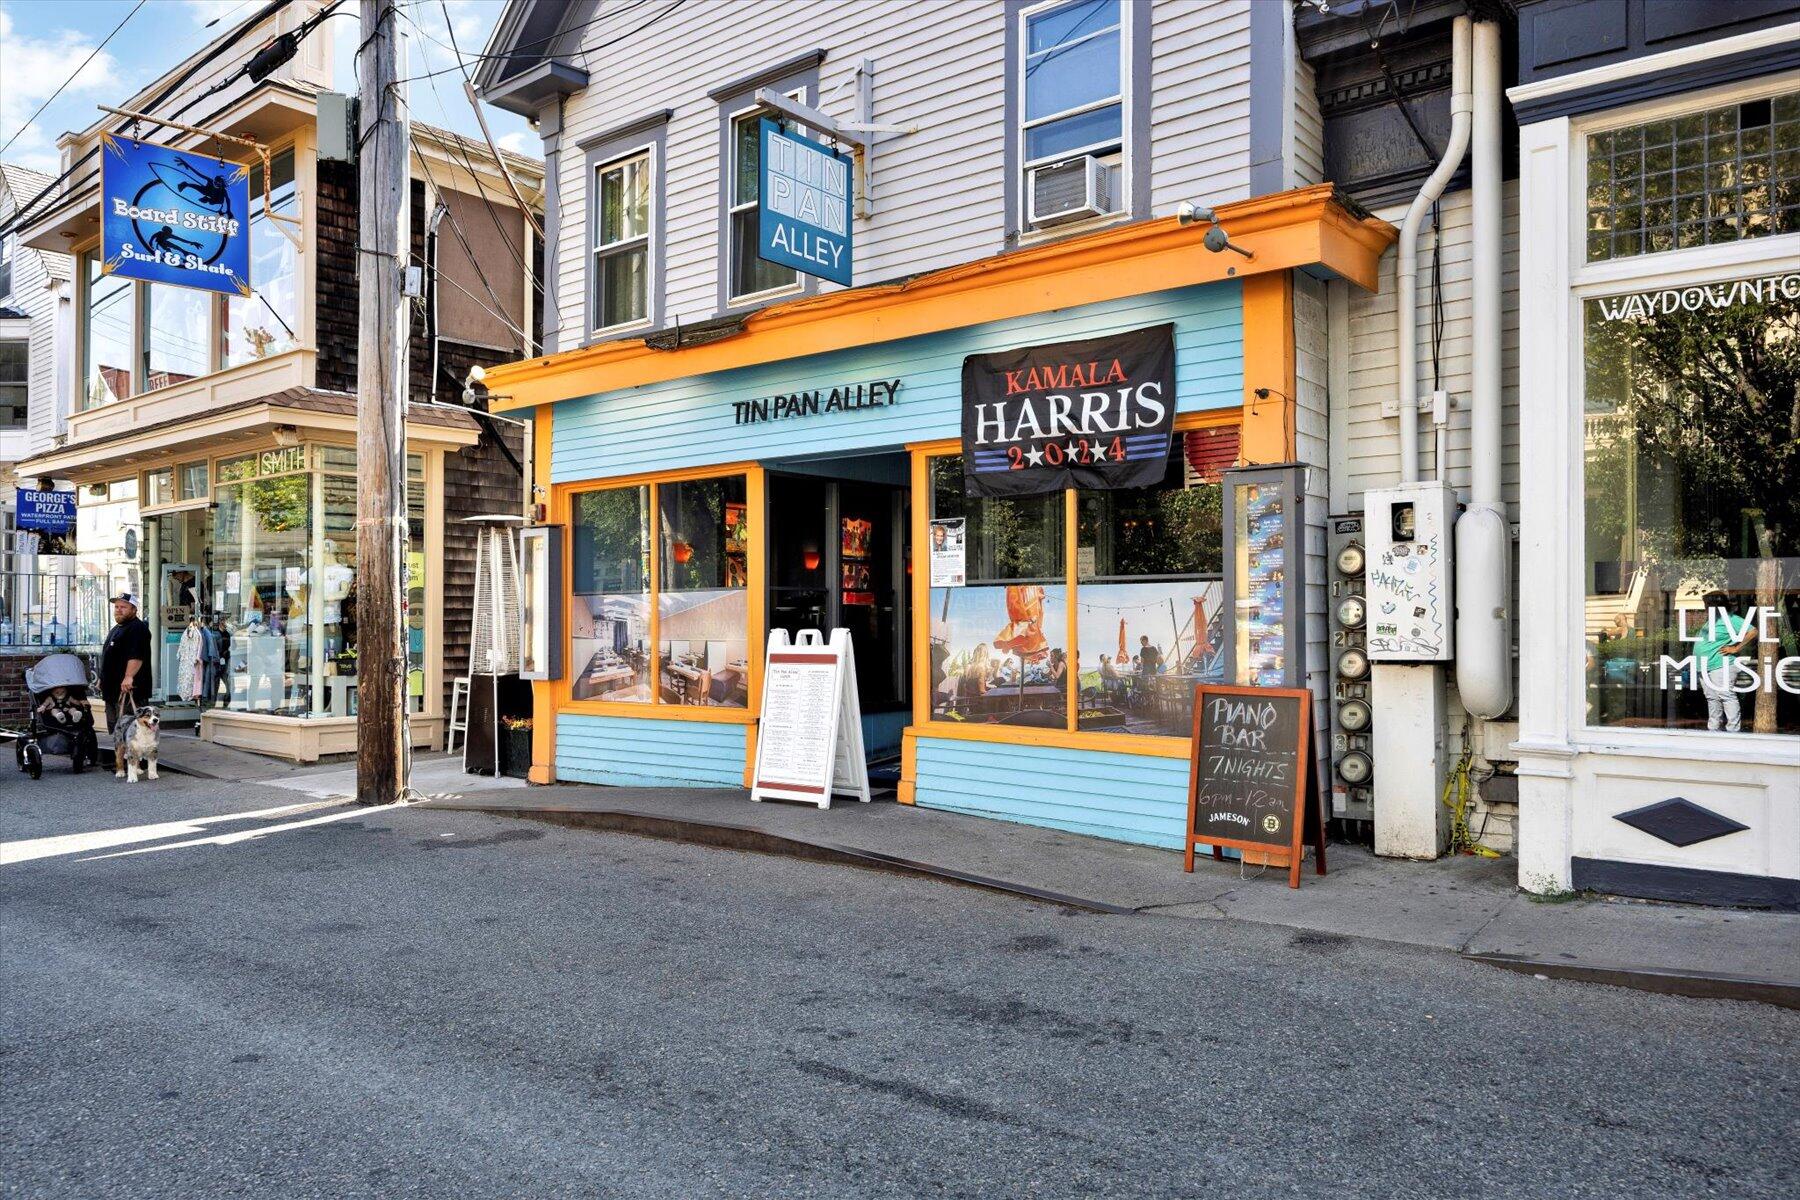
x=1097 y=413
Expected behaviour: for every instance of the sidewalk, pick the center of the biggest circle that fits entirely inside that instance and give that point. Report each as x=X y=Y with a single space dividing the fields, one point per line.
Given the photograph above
x=1467 y=906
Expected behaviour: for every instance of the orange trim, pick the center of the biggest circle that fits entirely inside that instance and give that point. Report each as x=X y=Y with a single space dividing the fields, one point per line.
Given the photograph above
x=543 y=692
x=1269 y=420
x=1304 y=228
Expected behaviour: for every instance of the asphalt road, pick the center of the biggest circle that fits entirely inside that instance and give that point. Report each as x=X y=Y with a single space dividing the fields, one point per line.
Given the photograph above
x=418 y=1003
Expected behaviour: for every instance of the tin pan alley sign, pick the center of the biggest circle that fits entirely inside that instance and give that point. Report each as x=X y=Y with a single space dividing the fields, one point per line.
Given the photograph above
x=803 y=207
x=174 y=217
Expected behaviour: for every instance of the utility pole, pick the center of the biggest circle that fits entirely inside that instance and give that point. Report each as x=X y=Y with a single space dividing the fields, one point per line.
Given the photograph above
x=382 y=747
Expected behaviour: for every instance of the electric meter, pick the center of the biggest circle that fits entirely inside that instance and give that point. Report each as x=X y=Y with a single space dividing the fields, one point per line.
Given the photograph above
x=1355 y=768
x=1351 y=612
x=1350 y=559
x=1354 y=716
x=1352 y=664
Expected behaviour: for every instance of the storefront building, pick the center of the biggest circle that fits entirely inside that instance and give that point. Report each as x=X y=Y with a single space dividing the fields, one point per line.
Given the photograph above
x=211 y=436
x=795 y=475
x=1660 y=243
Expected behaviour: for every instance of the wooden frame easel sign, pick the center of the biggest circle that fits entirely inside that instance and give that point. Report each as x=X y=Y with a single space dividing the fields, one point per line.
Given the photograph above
x=809 y=742
x=1252 y=782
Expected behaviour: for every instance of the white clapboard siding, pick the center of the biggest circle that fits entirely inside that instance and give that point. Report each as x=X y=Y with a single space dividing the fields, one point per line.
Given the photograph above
x=1312 y=353
x=1368 y=452
x=939 y=196
x=1309 y=128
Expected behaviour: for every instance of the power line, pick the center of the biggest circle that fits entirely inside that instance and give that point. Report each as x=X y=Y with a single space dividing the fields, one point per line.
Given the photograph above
x=583 y=53
x=92 y=54
x=548 y=38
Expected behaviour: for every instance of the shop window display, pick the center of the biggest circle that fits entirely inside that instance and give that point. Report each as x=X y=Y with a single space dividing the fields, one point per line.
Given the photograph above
x=609 y=627
x=1692 y=516
x=703 y=616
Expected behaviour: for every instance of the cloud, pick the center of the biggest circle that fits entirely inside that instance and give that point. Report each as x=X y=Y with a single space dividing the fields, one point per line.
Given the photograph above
x=520 y=141
x=31 y=69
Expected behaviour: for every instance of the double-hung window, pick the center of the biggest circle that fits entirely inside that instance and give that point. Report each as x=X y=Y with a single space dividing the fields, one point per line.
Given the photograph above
x=1071 y=98
x=622 y=235
x=751 y=277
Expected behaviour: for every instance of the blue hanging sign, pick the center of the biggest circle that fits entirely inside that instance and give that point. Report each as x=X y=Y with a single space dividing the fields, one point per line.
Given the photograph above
x=172 y=216
x=46 y=512
x=803 y=205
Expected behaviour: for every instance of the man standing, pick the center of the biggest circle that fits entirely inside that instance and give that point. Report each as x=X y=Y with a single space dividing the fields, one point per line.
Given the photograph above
x=125 y=659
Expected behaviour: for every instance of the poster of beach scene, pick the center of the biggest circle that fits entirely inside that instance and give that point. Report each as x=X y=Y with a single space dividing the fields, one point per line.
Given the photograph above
x=1143 y=647
x=999 y=655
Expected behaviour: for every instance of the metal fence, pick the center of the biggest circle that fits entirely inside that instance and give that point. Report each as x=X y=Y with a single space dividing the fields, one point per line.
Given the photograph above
x=46 y=601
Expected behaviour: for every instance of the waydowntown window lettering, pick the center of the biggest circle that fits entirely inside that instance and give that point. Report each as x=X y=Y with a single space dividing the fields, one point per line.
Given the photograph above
x=1665 y=301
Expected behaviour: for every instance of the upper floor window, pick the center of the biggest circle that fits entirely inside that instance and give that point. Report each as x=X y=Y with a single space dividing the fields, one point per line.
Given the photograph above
x=1071 y=98
x=750 y=275
x=1702 y=179
x=622 y=235
x=108 y=325
x=15 y=382
x=262 y=324
x=6 y=266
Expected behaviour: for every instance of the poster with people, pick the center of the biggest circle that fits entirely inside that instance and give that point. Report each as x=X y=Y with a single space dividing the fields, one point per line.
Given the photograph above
x=1144 y=647
x=999 y=656
x=949 y=554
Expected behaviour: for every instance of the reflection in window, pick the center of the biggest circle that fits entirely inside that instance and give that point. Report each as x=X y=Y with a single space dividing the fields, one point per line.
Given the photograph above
x=262 y=534
x=610 y=616
x=1018 y=538
x=750 y=274
x=106 y=334
x=263 y=323
x=177 y=335
x=703 y=614
x=1692 y=516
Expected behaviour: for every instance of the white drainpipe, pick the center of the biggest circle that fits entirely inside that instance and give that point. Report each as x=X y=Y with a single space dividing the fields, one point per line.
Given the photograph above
x=1483 y=535
x=1407 y=262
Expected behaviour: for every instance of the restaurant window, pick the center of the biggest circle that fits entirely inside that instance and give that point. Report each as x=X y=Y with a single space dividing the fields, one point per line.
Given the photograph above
x=107 y=330
x=1701 y=179
x=1147 y=593
x=263 y=323
x=177 y=335
x=688 y=642
x=190 y=481
x=159 y=487
x=1692 y=517
x=15 y=383
x=622 y=237
x=751 y=276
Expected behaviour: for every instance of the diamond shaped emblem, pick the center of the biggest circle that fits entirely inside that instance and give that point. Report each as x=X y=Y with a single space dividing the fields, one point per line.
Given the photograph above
x=1679 y=821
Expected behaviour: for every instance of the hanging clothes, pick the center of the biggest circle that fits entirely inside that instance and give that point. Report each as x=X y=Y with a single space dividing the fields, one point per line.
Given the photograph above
x=187 y=663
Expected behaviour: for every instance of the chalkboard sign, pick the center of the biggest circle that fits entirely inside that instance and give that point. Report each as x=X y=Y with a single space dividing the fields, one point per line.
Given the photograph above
x=1252 y=783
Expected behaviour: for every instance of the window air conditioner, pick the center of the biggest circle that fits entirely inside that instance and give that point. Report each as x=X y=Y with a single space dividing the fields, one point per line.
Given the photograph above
x=1071 y=190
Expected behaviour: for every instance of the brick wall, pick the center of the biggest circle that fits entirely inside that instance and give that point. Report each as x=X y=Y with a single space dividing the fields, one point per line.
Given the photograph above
x=15 y=701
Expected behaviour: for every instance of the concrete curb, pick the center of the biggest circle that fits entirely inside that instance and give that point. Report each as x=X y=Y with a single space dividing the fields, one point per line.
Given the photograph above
x=1693 y=984
x=740 y=837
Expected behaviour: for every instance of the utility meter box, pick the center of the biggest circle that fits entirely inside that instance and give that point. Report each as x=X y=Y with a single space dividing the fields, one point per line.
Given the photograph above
x=1411 y=615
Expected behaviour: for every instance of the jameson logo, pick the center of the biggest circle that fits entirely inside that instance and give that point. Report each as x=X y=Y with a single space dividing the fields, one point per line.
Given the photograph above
x=1094 y=414
x=1641 y=305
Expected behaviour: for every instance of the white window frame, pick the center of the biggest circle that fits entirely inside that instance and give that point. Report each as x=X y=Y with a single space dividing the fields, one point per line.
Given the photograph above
x=598 y=250
x=733 y=207
x=1123 y=98
x=8 y=263
x=1756 y=257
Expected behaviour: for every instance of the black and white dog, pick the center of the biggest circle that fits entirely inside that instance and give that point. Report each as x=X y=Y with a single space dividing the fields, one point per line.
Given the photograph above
x=134 y=741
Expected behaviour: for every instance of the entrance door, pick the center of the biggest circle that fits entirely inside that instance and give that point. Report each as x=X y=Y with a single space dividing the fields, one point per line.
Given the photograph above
x=837 y=559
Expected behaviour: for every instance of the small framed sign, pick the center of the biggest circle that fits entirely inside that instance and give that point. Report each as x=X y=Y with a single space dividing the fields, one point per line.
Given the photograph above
x=1252 y=782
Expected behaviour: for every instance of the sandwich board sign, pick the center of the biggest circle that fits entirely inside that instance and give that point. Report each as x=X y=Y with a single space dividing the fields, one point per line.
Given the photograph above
x=809 y=745
x=1252 y=782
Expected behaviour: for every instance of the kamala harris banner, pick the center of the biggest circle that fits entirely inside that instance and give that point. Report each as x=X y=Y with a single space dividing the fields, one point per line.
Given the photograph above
x=1095 y=414
x=174 y=217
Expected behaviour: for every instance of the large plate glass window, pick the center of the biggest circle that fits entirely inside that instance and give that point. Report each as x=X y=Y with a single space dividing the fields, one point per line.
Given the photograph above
x=609 y=618
x=703 y=617
x=106 y=335
x=263 y=323
x=622 y=242
x=177 y=335
x=1692 y=514
x=1071 y=74
x=750 y=275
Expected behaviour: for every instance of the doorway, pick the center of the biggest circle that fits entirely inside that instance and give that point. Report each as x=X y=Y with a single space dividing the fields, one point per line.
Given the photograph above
x=838 y=554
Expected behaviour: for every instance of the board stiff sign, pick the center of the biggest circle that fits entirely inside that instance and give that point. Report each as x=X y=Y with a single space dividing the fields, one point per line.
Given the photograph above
x=1252 y=781
x=809 y=736
x=173 y=216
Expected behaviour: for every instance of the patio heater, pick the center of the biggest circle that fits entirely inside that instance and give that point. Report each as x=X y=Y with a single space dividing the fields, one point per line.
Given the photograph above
x=494 y=687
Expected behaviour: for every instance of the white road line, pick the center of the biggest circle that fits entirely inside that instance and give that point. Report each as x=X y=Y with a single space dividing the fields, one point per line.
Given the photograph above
x=77 y=843
x=250 y=835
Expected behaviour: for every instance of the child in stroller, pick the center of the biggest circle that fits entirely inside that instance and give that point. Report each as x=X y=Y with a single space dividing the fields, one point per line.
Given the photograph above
x=61 y=722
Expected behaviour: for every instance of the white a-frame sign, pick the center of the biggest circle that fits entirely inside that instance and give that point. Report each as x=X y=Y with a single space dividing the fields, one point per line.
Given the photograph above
x=810 y=746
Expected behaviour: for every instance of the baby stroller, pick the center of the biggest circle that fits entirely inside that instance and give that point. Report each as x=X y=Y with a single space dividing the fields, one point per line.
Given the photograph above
x=48 y=734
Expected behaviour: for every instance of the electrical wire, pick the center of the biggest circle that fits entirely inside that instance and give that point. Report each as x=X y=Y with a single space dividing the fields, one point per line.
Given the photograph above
x=581 y=54
x=92 y=54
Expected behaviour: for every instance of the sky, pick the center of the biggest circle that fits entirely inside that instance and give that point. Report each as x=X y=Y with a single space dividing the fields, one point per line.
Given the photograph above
x=43 y=41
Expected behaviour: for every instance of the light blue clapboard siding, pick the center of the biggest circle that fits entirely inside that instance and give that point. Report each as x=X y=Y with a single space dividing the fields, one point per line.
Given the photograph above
x=689 y=422
x=640 y=752
x=1126 y=797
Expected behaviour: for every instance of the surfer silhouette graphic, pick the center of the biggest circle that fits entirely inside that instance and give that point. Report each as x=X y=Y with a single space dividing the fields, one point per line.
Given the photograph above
x=208 y=190
x=163 y=242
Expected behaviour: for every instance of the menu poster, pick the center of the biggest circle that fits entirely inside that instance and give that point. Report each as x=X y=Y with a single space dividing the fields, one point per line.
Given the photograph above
x=809 y=738
x=949 y=559
x=1251 y=779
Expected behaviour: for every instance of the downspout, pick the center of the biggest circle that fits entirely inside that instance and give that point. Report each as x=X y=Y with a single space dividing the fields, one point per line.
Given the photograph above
x=1483 y=534
x=438 y=213
x=1407 y=263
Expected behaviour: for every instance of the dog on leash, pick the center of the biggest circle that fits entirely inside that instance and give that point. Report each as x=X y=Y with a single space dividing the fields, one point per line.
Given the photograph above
x=134 y=742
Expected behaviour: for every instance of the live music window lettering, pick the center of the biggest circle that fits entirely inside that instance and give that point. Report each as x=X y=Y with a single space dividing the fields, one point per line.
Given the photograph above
x=1095 y=413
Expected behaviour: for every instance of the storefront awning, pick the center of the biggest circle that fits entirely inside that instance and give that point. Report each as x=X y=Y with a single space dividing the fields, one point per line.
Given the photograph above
x=309 y=412
x=1309 y=229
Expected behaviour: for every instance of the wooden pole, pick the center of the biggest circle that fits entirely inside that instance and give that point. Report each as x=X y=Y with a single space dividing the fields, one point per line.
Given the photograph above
x=382 y=748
